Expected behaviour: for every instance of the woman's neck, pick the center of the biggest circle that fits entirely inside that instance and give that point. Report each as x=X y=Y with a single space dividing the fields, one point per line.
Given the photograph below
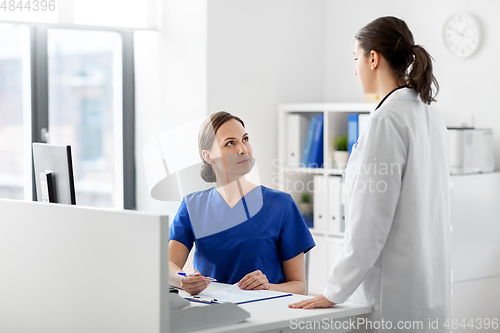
x=388 y=83
x=235 y=190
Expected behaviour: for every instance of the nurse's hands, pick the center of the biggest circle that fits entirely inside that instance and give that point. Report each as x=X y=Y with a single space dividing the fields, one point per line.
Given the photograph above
x=312 y=303
x=255 y=280
x=194 y=284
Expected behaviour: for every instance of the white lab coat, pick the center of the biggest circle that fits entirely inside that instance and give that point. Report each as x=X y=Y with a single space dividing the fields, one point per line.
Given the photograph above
x=396 y=248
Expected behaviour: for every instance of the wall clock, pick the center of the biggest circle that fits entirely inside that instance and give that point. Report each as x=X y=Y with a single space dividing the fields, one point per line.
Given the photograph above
x=462 y=35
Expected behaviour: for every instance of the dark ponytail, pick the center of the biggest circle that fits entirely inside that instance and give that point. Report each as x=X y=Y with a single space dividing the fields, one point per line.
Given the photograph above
x=392 y=38
x=420 y=76
x=206 y=138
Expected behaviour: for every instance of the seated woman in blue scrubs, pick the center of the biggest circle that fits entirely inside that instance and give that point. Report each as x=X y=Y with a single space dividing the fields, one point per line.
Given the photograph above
x=244 y=233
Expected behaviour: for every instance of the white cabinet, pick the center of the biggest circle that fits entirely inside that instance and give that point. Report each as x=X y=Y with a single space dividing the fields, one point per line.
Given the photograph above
x=323 y=256
x=318 y=266
x=478 y=300
x=475 y=248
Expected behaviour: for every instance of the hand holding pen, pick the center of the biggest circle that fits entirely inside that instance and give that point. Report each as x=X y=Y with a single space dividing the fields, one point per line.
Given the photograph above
x=194 y=283
x=206 y=277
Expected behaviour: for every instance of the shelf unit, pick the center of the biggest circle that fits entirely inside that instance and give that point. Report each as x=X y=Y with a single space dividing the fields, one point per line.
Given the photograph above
x=475 y=216
x=335 y=117
x=324 y=184
x=335 y=123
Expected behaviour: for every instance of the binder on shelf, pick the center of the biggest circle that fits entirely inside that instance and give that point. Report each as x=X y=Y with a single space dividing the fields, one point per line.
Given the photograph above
x=334 y=196
x=319 y=203
x=297 y=136
x=363 y=119
x=316 y=155
x=352 y=131
x=343 y=195
x=309 y=140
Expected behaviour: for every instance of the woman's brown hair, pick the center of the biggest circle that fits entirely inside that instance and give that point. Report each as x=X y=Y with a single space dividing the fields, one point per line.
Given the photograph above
x=392 y=38
x=206 y=138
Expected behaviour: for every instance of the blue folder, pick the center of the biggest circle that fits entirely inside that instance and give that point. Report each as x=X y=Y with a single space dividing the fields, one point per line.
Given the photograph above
x=316 y=157
x=309 y=140
x=352 y=131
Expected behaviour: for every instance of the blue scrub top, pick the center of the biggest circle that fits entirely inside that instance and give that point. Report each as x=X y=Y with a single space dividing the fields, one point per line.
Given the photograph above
x=229 y=245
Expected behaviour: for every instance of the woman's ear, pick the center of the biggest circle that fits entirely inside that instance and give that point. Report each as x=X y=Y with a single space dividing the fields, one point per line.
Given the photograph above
x=374 y=59
x=206 y=157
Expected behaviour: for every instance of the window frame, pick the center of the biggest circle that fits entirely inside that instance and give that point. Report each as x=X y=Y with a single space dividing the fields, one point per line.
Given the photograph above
x=40 y=102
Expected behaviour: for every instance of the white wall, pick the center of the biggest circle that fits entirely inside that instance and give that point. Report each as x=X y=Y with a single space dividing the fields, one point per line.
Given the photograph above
x=468 y=86
x=241 y=56
x=246 y=57
x=262 y=53
x=170 y=76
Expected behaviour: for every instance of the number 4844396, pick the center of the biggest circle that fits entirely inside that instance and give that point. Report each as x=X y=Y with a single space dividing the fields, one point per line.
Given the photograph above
x=28 y=5
x=472 y=324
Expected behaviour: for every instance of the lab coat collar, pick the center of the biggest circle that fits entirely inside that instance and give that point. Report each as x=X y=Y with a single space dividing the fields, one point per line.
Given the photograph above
x=403 y=92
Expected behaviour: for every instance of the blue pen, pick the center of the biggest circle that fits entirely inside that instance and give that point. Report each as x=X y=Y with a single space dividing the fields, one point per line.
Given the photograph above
x=206 y=277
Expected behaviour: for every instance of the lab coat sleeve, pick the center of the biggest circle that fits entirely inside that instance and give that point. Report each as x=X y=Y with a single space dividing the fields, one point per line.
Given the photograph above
x=373 y=188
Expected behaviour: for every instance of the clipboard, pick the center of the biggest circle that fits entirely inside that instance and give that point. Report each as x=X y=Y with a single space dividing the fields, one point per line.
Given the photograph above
x=233 y=294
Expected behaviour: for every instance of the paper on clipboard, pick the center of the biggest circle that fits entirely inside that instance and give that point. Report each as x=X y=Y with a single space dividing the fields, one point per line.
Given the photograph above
x=233 y=294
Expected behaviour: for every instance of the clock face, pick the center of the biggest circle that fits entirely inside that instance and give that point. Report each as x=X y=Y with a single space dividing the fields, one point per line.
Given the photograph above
x=462 y=35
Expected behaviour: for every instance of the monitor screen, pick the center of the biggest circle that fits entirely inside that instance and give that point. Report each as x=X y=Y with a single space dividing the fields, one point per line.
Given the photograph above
x=53 y=170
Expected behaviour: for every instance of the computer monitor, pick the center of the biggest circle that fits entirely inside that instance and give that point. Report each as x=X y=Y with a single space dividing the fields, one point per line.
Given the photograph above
x=53 y=170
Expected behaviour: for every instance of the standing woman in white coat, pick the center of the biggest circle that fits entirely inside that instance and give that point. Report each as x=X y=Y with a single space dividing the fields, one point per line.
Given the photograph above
x=395 y=255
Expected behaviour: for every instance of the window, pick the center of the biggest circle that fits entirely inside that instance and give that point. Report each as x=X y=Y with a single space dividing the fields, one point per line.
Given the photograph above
x=68 y=86
x=14 y=111
x=85 y=106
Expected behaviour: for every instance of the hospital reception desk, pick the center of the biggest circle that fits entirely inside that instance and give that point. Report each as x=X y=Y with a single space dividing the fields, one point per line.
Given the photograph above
x=79 y=269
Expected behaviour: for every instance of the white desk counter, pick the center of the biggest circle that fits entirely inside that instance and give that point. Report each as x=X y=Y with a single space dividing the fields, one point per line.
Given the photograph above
x=274 y=315
x=80 y=269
